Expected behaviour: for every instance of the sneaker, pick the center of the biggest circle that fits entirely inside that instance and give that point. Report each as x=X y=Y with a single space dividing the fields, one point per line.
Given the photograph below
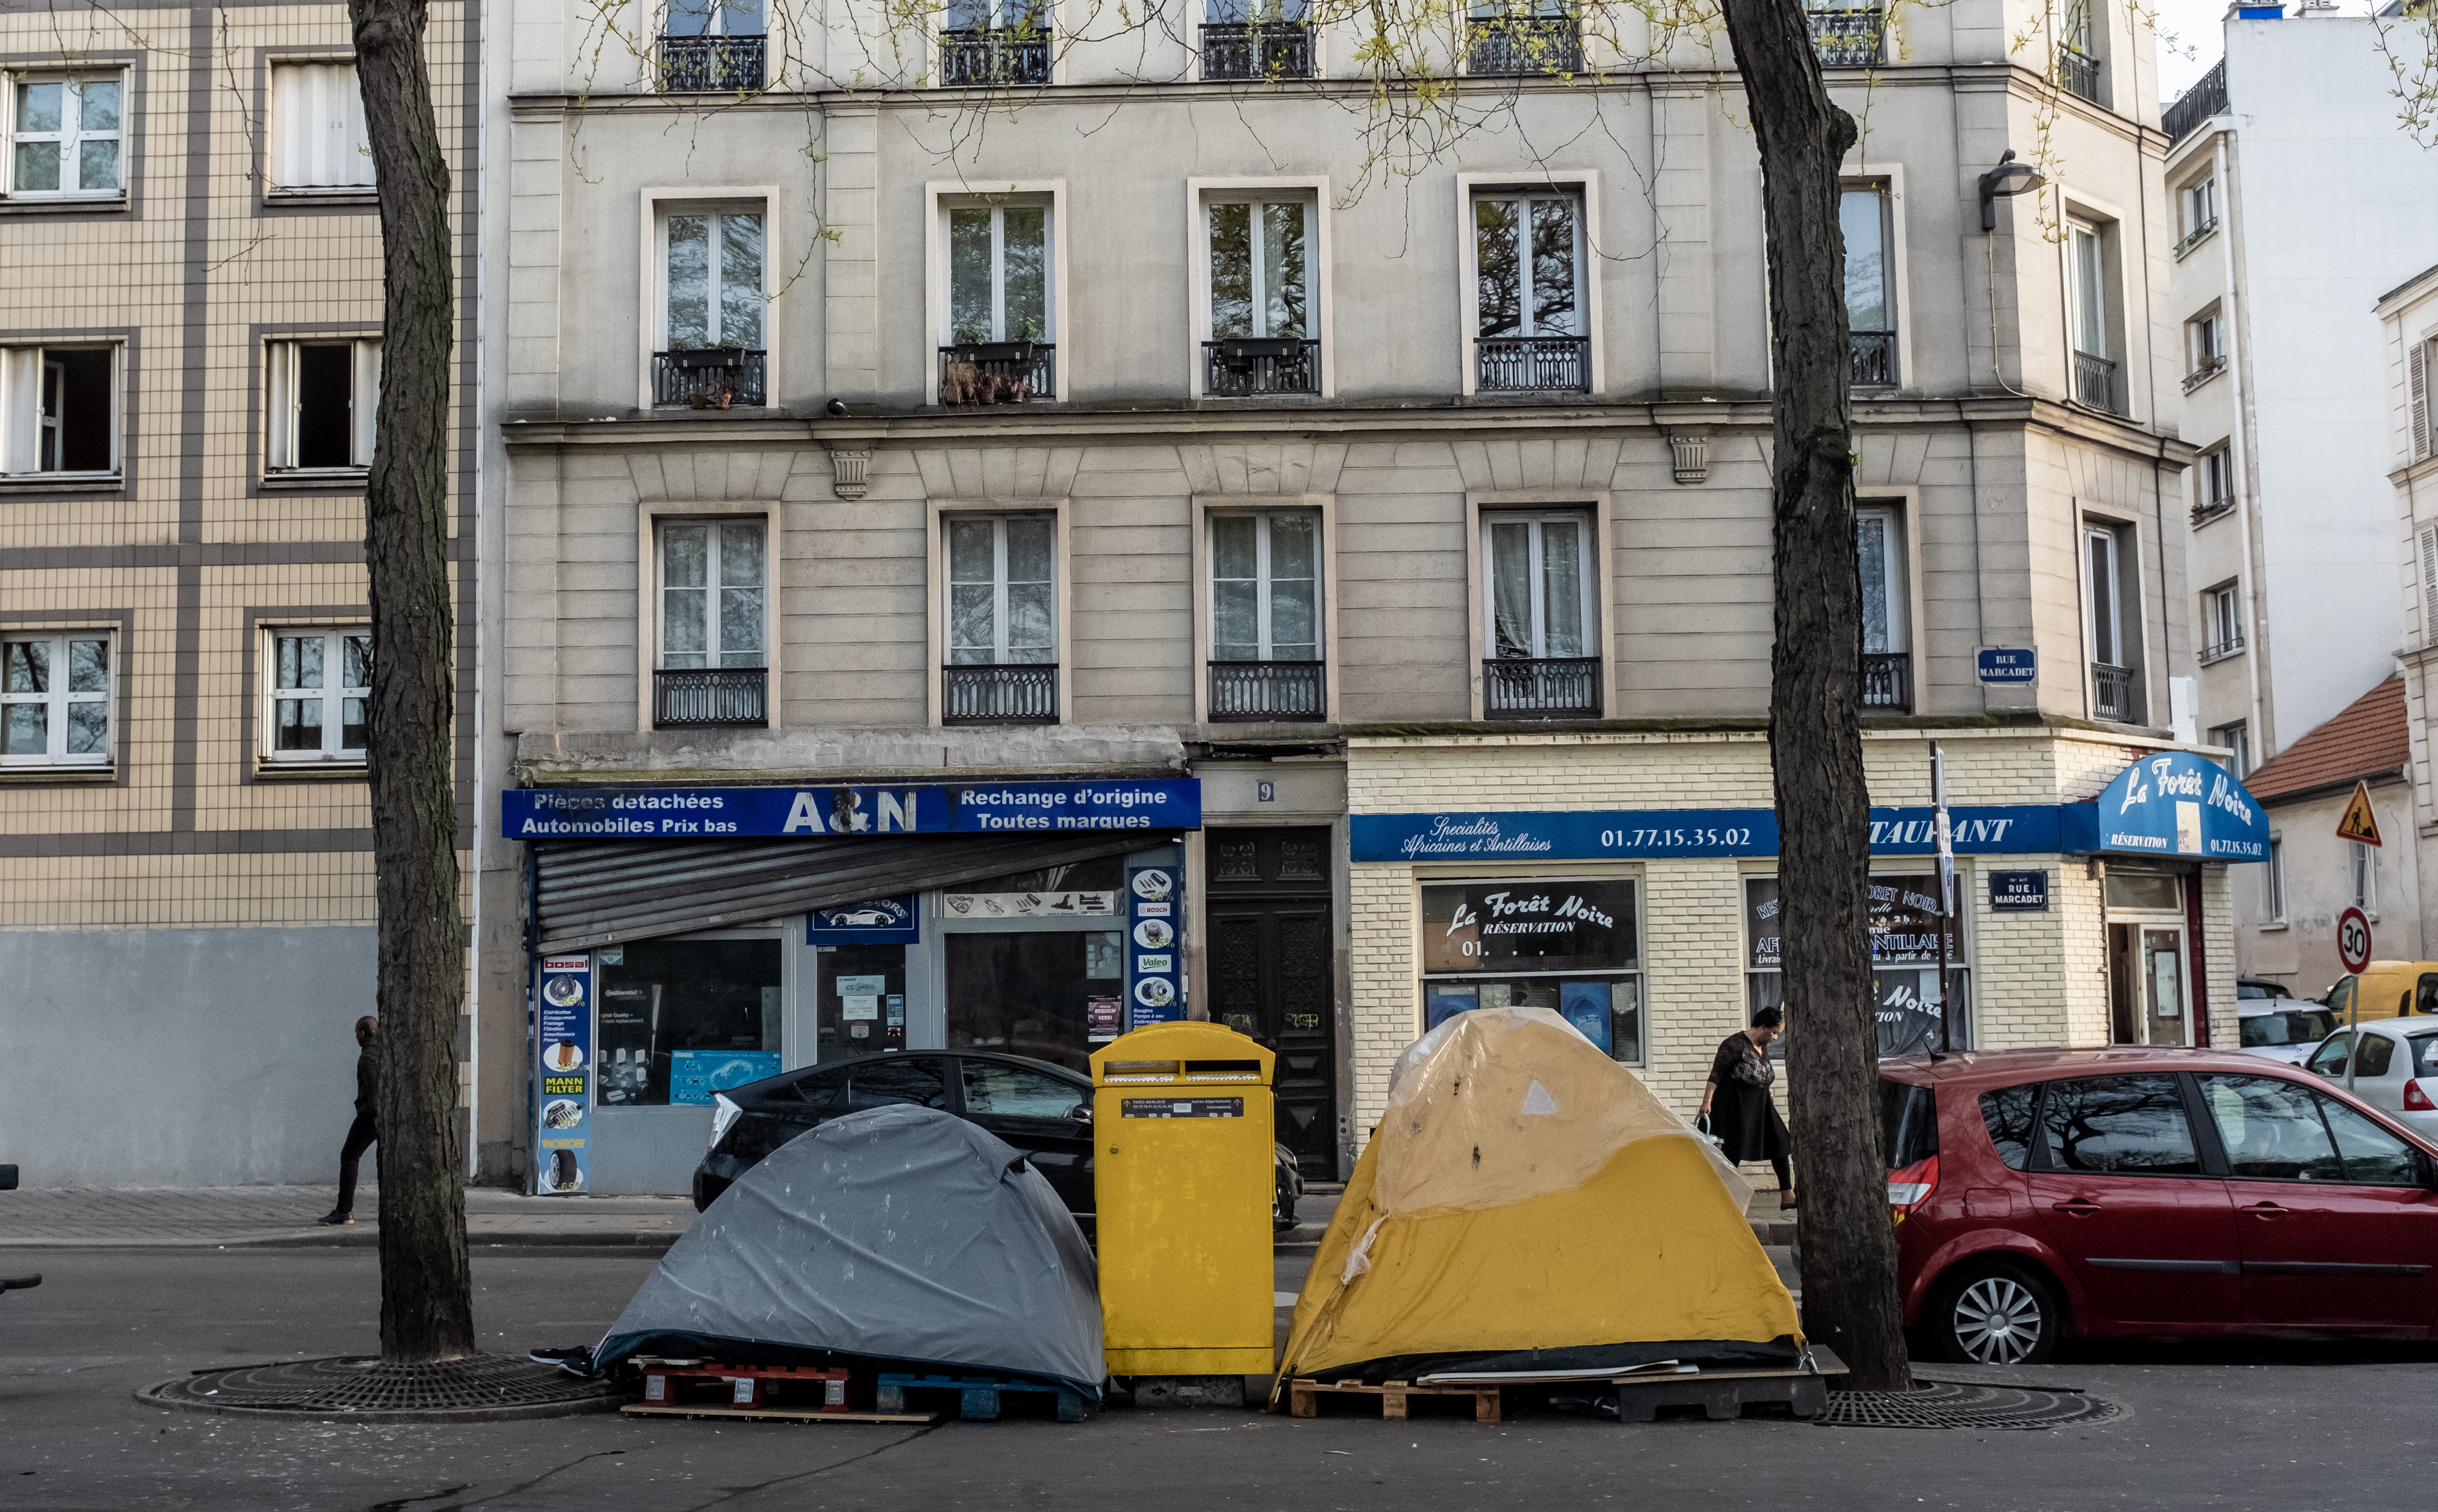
x=577 y=1362
x=334 y=1217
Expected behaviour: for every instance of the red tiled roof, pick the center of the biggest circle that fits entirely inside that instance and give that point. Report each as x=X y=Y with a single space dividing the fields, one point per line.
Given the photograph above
x=2370 y=737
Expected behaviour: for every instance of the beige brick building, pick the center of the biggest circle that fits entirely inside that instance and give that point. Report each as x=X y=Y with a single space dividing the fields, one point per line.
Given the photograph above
x=189 y=346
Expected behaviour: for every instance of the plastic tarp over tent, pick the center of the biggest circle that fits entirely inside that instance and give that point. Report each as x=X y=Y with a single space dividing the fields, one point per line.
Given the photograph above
x=899 y=1234
x=1527 y=1205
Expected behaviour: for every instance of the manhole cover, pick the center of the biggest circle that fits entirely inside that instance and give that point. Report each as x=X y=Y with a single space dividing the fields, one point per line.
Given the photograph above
x=480 y=1388
x=1963 y=1404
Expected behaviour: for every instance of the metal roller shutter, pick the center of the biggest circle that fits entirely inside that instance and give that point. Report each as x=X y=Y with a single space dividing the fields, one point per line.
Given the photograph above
x=600 y=893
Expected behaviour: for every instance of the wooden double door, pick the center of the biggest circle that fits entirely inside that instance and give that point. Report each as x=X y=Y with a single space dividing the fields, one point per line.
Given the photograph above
x=1272 y=974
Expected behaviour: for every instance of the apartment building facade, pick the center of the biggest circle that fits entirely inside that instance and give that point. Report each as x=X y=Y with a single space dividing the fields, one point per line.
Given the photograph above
x=951 y=490
x=188 y=360
x=2408 y=814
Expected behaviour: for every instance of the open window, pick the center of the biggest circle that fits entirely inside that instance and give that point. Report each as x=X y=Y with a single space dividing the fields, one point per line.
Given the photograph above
x=320 y=693
x=323 y=396
x=59 y=411
x=64 y=136
x=56 y=687
x=318 y=141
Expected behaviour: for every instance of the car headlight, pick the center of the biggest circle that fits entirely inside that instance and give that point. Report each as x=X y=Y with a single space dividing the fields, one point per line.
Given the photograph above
x=724 y=1115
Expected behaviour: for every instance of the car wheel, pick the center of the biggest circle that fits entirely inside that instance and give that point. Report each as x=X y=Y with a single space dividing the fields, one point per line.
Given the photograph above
x=1997 y=1314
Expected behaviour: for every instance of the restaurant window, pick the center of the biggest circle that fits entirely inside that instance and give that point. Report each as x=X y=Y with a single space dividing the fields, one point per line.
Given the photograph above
x=681 y=1019
x=64 y=137
x=320 y=692
x=54 y=692
x=1573 y=947
x=1903 y=921
x=1050 y=994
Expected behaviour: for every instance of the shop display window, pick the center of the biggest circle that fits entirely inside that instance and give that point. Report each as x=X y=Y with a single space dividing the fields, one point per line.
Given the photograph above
x=1903 y=912
x=1031 y=993
x=861 y=1000
x=681 y=1019
x=1573 y=947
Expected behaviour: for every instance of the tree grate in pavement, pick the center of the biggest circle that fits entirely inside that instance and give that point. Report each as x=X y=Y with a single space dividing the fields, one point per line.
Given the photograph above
x=1965 y=1404
x=480 y=1388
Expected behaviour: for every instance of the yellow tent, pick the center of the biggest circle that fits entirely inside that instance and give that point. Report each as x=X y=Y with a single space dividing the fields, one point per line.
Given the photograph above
x=1527 y=1205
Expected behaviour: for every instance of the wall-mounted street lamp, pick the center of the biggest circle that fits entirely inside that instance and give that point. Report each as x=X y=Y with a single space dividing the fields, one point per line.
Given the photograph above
x=2007 y=180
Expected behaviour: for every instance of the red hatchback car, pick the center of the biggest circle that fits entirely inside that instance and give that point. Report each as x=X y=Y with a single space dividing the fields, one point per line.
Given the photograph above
x=2107 y=1193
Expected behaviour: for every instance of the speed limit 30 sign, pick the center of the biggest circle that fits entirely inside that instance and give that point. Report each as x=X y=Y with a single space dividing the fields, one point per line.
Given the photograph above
x=2353 y=939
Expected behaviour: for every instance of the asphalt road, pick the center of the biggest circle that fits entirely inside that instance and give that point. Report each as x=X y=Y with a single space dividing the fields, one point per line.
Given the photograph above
x=2271 y=1427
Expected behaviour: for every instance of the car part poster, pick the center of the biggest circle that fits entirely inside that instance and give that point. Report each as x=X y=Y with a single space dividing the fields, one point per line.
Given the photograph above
x=1155 y=946
x=563 y=1073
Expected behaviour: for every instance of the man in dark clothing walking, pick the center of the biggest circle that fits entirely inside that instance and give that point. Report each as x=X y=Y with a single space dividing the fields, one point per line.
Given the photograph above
x=363 y=1132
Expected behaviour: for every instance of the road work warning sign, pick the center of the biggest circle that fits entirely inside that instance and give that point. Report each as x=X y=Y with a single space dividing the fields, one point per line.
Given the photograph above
x=2360 y=824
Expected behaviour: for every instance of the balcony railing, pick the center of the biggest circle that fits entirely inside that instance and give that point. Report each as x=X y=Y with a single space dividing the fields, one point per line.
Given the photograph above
x=2211 y=509
x=712 y=66
x=1245 y=367
x=709 y=699
x=2196 y=105
x=712 y=378
x=2078 y=72
x=2112 y=692
x=998 y=372
x=1018 y=694
x=1848 y=36
x=1541 y=688
x=1526 y=45
x=2220 y=649
x=2095 y=382
x=2195 y=237
x=1533 y=364
x=1873 y=360
x=999 y=55
x=2202 y=373
x=1887 y=681
x=1257 y=49
x=1267 y=690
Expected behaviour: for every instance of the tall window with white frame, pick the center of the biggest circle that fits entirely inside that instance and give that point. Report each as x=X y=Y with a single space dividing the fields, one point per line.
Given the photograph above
x=1265 y=648
x=2272 y=884
x=714 y=299
x=1541 y=619
x=2079 y=50
x=1002 y=331
x=1002 y=620
x=995 y=41
x=55 y=693
x=2104 y=584
x=1261 y=300
x=320 y=401
x=2197 y=213
x=64 y=136
x=2222 y=621
x=320 y=692
x=59 y=410
x=2362 y=862
x=1531 y=333
x=2236 y=738
x=712 y=46
x=319 y=145
x=2214 y=483
x=715 y=656
x=2204 y=348
x=1887 y=660
x=1863 y=215
x=2086 y=307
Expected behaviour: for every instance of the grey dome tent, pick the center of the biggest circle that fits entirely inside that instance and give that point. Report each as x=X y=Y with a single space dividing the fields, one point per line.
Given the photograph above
x=899 y=1234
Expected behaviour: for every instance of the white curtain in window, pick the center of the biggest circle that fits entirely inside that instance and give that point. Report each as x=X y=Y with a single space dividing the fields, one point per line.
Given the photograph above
x=317 y=121
x=1263 y=578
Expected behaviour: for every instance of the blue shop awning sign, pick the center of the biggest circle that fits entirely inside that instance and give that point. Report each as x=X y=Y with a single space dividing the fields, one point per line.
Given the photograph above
x=872 y=808
x=2171 y=804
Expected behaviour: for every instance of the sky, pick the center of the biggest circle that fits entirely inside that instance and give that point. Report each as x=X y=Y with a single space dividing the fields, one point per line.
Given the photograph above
x=2194 y=26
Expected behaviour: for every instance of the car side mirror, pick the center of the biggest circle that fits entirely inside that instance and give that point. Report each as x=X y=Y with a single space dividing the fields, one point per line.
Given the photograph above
x=1081 y=1113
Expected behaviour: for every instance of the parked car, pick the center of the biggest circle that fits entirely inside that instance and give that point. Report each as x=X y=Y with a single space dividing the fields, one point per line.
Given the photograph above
x=2281 y=1028
x=1041 y=1109
x=2386 y=989
x=2385 y=1062
x=2249 y=987
x=2048 y=1195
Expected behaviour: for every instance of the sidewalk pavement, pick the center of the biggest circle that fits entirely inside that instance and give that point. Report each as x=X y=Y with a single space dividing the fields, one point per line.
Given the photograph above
x=284 y=1216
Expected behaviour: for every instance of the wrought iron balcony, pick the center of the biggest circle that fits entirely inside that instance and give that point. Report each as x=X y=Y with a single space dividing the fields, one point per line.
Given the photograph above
x=1245 y=367
x=998 y=372
x=1268 y=690
x=1872 y=360
x=1887 y=681
x=2212 y=509
x=2195 y=237
x=2222 y=649
x=1526 y=45
x=709 y=377
x=1541 y=688
x=1012 y=693
x=2112 y=692
x=1532 y=365
x=712 y=66
x=2208 y=369
x=999 y=55
x=2196 y=105
x=1257 y=49
x=711 y=698
x=2095 y=382
x=1848 y=36
x=2078 y=72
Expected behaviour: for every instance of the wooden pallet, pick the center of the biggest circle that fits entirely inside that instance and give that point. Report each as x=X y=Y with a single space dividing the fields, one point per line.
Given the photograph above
x=1304 y=1394
x=791 y=1415
x=747 y=1386
x=977 y=1396
x=1722 y=1395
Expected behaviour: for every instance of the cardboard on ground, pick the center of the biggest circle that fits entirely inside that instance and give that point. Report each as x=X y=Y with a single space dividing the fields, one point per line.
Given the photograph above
x=2360 y=824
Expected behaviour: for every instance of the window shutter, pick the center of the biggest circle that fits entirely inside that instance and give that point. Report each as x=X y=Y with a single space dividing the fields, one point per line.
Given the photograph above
x=2429 y=584
x=368 y=358
x=21 y=389
x=2418 y=379
x=281 y=403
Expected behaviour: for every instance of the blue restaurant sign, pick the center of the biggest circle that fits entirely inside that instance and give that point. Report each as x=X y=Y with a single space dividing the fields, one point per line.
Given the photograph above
x=865 y=809
x=2171 y=803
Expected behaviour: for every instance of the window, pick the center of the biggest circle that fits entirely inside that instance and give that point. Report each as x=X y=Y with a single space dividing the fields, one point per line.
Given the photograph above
x=1880 y=535
x=2197 y=210
x=1002 y=590
x=2221 y=622
x=2123 y=1125
x=712 y=595
x=2087 y=316
x=2104 y=622
x=2272 y=884
x=713 y=18
x=1573 y=947
x=998 y=273
x=60 y=408
x=2372 y=1156
x=2009 y=1113
x=2363 y=868
x=1265 y=580
x=1256 y=39
x=321 y=695
x=54 y=692
x=1870 y=299
x=2329 y=1059
x=1903 y=913
x=1541 y=582
x=915 y=1083
x=2236 y=738
x=322 y=400
x=2078 y=51
x=715 y=279
x=996 y=1091
x=2416 y=364
x=2214 y=481
x=1028 y=993
x=1260 y=297
x=63 y=137
x=1525 y=37
x=681 y=1019
x=2204 y=344
x=2272 y=1129
x=1527 y=288
x=994 y=42
x=317 y=121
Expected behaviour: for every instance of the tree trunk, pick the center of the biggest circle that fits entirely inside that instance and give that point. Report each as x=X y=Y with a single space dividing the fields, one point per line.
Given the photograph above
x=1815 y=741
x=427 y=1297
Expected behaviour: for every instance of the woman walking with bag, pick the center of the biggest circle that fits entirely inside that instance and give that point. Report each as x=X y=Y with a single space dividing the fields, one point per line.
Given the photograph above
x=1742 y=1114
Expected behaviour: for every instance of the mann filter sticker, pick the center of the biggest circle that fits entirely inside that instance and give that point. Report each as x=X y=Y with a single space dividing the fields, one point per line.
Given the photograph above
x=1180 y=1107
x=562 y=1072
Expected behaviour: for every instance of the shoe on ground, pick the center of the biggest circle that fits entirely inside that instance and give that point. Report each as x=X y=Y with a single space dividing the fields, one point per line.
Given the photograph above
x=577 y=1362
x=334 y=1217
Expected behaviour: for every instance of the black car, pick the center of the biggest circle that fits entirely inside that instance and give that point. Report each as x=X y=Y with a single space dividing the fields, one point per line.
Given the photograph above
x=1041 y=1109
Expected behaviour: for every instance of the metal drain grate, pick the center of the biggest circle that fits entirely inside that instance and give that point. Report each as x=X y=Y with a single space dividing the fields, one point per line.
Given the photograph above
x=481 y=1388
x=1962 y=1404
